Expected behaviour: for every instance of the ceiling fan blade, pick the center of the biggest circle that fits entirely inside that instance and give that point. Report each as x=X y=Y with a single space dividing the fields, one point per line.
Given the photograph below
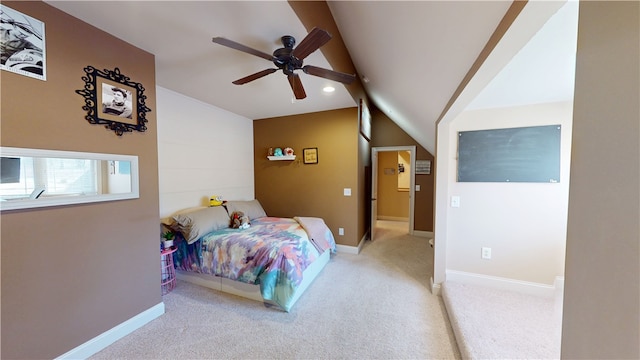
x=255 y=76
x=296 y=86
x=316 y=38
x=243 y=48
x=329 y=74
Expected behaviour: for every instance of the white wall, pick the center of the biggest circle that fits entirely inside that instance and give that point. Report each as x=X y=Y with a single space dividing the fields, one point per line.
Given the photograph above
x=523 y=223
x=202 y=151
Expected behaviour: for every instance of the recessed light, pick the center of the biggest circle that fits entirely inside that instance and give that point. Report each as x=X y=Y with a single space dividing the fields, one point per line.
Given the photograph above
x=329 y=89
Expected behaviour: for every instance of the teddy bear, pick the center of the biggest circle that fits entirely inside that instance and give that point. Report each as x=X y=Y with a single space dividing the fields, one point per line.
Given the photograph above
x=239 y=220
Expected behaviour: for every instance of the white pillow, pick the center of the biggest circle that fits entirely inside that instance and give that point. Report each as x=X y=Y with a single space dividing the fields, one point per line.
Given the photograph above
x=251 y=208
x=194 y=224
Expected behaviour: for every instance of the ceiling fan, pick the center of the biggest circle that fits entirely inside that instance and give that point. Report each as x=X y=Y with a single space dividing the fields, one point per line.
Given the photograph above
x=288 y=59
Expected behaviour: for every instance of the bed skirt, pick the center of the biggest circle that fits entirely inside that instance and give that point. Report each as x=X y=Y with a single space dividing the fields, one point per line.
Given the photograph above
x=251 y=291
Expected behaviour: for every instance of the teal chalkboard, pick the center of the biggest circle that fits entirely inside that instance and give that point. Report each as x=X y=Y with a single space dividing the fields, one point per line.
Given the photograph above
x=524 y=154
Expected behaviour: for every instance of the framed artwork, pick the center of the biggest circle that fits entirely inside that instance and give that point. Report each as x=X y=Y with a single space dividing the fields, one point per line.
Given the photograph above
x=423 y=167
x=112 y=99
x=22 y=44
x=365 y=120
x=310 y=155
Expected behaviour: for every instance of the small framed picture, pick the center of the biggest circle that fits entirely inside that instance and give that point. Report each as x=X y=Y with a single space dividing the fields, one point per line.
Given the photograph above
x=310 y=155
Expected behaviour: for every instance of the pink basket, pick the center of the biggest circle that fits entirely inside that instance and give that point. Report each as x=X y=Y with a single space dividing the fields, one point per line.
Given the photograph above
x=168 y=279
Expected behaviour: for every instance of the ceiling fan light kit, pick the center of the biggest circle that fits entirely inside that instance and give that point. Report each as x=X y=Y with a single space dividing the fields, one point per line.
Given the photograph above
x=289 y=59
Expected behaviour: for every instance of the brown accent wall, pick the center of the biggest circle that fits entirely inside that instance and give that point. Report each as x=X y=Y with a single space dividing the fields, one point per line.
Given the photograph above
x=384 y=132
x=70 y=273
x=317 y=14
x=602 y=279
x=292 y=188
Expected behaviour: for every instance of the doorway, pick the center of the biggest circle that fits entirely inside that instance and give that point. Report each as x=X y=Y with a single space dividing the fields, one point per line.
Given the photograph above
x=392 y=186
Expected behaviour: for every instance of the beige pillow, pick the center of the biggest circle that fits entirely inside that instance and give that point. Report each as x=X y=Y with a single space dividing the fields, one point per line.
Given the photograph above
x=251 y=208
x=195 y=224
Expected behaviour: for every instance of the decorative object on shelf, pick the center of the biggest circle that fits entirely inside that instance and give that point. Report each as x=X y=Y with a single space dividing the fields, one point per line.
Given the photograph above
x=280 y=154
x=310 y=155
x=167 y=241
x=112 y=99
x=23 y=44
x=215 y=200
x=270 y=152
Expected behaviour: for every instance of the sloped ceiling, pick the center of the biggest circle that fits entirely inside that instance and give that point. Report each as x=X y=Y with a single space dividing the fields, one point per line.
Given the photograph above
x=413 y=54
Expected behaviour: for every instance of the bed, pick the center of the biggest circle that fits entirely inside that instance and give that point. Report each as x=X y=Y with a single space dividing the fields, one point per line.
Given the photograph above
x=274 y=260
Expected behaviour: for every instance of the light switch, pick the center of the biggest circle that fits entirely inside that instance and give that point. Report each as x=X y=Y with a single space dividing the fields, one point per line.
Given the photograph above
x=417 y=187
x=455 y=201
x=347 y=191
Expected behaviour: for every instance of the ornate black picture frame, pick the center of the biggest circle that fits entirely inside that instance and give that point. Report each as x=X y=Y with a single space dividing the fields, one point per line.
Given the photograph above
x=112 y=99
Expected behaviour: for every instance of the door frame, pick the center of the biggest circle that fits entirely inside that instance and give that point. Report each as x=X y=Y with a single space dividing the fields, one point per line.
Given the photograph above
x=374 y=181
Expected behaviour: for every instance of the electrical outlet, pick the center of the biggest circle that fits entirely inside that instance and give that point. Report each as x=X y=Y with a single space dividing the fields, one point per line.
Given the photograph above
x=340 y=231
x=486 y=253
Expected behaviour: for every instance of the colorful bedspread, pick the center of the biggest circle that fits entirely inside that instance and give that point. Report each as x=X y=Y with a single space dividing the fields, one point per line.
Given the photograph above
x=272 y=253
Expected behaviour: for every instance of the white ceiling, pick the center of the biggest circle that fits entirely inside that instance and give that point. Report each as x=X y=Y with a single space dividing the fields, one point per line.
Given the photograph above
x=414 y=53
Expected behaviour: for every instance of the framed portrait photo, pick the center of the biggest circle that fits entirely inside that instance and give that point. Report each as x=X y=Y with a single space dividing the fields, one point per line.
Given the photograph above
x=310 y=155
x=116 y=101
x=112 y=99
x=22 y=44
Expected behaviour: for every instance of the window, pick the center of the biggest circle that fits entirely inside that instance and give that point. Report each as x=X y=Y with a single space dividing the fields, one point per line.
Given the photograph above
x=62 y=177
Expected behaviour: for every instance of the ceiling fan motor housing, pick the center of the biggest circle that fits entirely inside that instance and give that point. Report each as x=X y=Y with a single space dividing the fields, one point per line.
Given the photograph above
x=283 y=58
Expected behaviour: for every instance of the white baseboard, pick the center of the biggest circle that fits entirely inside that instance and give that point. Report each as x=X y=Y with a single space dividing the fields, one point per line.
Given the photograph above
x=422 y=233
x=108 y=337
x=435 y=288
x=352 y=249
x=523 y=287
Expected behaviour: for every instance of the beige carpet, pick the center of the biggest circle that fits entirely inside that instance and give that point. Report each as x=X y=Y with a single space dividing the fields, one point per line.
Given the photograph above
x=375 y=305
x=499 y=324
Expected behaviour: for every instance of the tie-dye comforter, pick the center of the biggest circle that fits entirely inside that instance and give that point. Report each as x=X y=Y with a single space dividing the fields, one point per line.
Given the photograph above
x=272 y=252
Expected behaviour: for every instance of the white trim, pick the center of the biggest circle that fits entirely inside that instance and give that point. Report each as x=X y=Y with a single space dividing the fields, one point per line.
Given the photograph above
x=422 y=233
x=109 y=337
x=352 y=249
x=75 y=199
x=435 y=288
x=523 y=287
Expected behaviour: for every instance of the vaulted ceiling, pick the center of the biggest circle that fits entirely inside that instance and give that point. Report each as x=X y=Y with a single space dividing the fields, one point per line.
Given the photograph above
x=410 y=57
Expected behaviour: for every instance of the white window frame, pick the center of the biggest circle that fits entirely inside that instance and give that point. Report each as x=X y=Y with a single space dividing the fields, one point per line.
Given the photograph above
x=71 y=199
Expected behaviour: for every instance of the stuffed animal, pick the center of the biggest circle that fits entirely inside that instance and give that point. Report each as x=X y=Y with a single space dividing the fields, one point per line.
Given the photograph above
x=215 y=200
x=239 y=220
x=277 y=152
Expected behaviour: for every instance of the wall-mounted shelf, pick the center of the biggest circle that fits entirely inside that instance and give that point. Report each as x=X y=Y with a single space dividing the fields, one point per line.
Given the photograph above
x=284 y=157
